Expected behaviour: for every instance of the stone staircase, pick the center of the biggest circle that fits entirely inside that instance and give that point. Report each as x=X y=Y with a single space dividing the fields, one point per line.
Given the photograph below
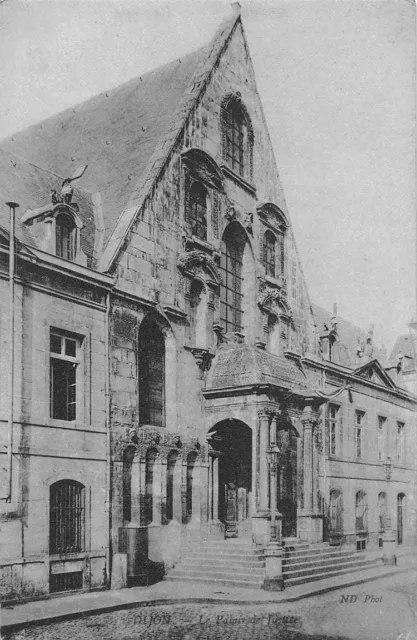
x=309 y=562
x=234 y=562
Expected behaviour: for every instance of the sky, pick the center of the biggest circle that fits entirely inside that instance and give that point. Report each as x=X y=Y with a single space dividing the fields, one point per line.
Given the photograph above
x=337 y=82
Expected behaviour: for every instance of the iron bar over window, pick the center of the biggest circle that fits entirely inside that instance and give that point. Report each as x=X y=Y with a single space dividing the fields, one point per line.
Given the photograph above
x=66 y=519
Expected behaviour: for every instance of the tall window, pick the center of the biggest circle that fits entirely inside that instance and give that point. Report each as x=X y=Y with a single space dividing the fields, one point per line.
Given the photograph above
x=198 y=210
x=65 y=236
x=237 y=138
x=67 y=517
x=231 y=294
x=360 y=420
x=400 y=442
x=151 y=374
x=268 y=253
x=333 y=429
x=335 y=511
x=382 y=510
x=361 y=512
x=280 y=256
x=382 y=423
x=64 y=360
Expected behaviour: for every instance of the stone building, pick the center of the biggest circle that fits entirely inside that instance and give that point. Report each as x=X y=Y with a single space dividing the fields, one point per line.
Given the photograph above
x=166 y=345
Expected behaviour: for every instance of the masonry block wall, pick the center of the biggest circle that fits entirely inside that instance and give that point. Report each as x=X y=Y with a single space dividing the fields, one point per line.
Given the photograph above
x=45 y=449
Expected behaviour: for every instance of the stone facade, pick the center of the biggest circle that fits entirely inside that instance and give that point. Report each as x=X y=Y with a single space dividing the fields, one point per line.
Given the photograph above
x=196 y=350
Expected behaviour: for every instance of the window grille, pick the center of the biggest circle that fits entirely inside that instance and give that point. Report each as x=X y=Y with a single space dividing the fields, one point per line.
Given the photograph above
x=66 y=519
x=65 y=581
x=151 y=374
x=64 y=360
x=65 y=236
x=268 y=257
x=231 y=296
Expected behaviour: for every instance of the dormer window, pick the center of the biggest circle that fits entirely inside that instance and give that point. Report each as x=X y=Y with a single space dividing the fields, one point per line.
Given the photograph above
x=65 y=236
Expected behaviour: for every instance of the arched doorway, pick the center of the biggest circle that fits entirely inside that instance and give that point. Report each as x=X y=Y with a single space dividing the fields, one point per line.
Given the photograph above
x=231 y=452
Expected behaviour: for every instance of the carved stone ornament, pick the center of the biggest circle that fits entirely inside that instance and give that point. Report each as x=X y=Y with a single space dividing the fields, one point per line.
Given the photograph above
x=143 y=438
x=203 y=357
x=268 y=296
x=189 y=261
x=230 y=214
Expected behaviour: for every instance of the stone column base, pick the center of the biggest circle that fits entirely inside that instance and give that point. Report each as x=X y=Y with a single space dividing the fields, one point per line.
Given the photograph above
x=260 y=529
x=388 y=547
x=274 y=580
x=310 y=527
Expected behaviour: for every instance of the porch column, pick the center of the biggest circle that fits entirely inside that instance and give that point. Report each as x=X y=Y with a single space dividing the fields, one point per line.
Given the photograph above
x=309 y=520
x=263 y=482
x=214 y=488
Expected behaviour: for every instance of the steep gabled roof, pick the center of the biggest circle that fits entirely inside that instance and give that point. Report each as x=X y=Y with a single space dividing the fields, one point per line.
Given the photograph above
x=124 y=135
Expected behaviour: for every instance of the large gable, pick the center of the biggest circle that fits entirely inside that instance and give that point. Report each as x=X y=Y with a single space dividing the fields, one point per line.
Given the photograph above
x=119 y=134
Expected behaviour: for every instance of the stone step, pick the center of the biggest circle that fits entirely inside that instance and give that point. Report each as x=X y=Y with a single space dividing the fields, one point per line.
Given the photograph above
x=225 y=571
x=314 y=557
x=226 y=562
x=318 y=562
x=325 y=569
x=205 y=553
x=316 y=552
x=218 y=581
x=292 y=582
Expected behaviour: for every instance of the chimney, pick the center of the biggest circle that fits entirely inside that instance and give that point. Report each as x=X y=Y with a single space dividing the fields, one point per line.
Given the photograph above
x=236 y=8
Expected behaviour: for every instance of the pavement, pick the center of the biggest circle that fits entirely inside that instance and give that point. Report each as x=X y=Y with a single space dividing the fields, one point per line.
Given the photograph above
x=54 y=609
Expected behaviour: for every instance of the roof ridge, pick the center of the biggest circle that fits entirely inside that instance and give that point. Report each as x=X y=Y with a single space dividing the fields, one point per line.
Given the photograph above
x=162 y=150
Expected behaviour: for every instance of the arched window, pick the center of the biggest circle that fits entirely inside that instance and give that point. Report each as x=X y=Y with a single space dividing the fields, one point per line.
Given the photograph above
x=400 y=517
x=128 y=456
x=382 y=510
x=65 y=236
x=280 y=258
x=198 y=210
x=361 y=512
x=149 y=481
x=231 y=290
x=190 y=485
x=269 y=254
x=170 y=478
x=237 y=138
x=151 y=374
x=335 y=512
x=198 y=314
x=66 y=517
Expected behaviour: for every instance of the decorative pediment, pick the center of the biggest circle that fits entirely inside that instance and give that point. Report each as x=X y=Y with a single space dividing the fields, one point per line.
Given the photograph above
x=271 y=215
x=374 y=372
x=193 y=262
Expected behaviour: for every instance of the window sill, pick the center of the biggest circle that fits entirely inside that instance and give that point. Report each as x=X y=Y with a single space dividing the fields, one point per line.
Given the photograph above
x=242 y=182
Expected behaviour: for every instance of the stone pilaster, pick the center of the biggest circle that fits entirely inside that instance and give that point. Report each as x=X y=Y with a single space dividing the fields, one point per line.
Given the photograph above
x=310 y=522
